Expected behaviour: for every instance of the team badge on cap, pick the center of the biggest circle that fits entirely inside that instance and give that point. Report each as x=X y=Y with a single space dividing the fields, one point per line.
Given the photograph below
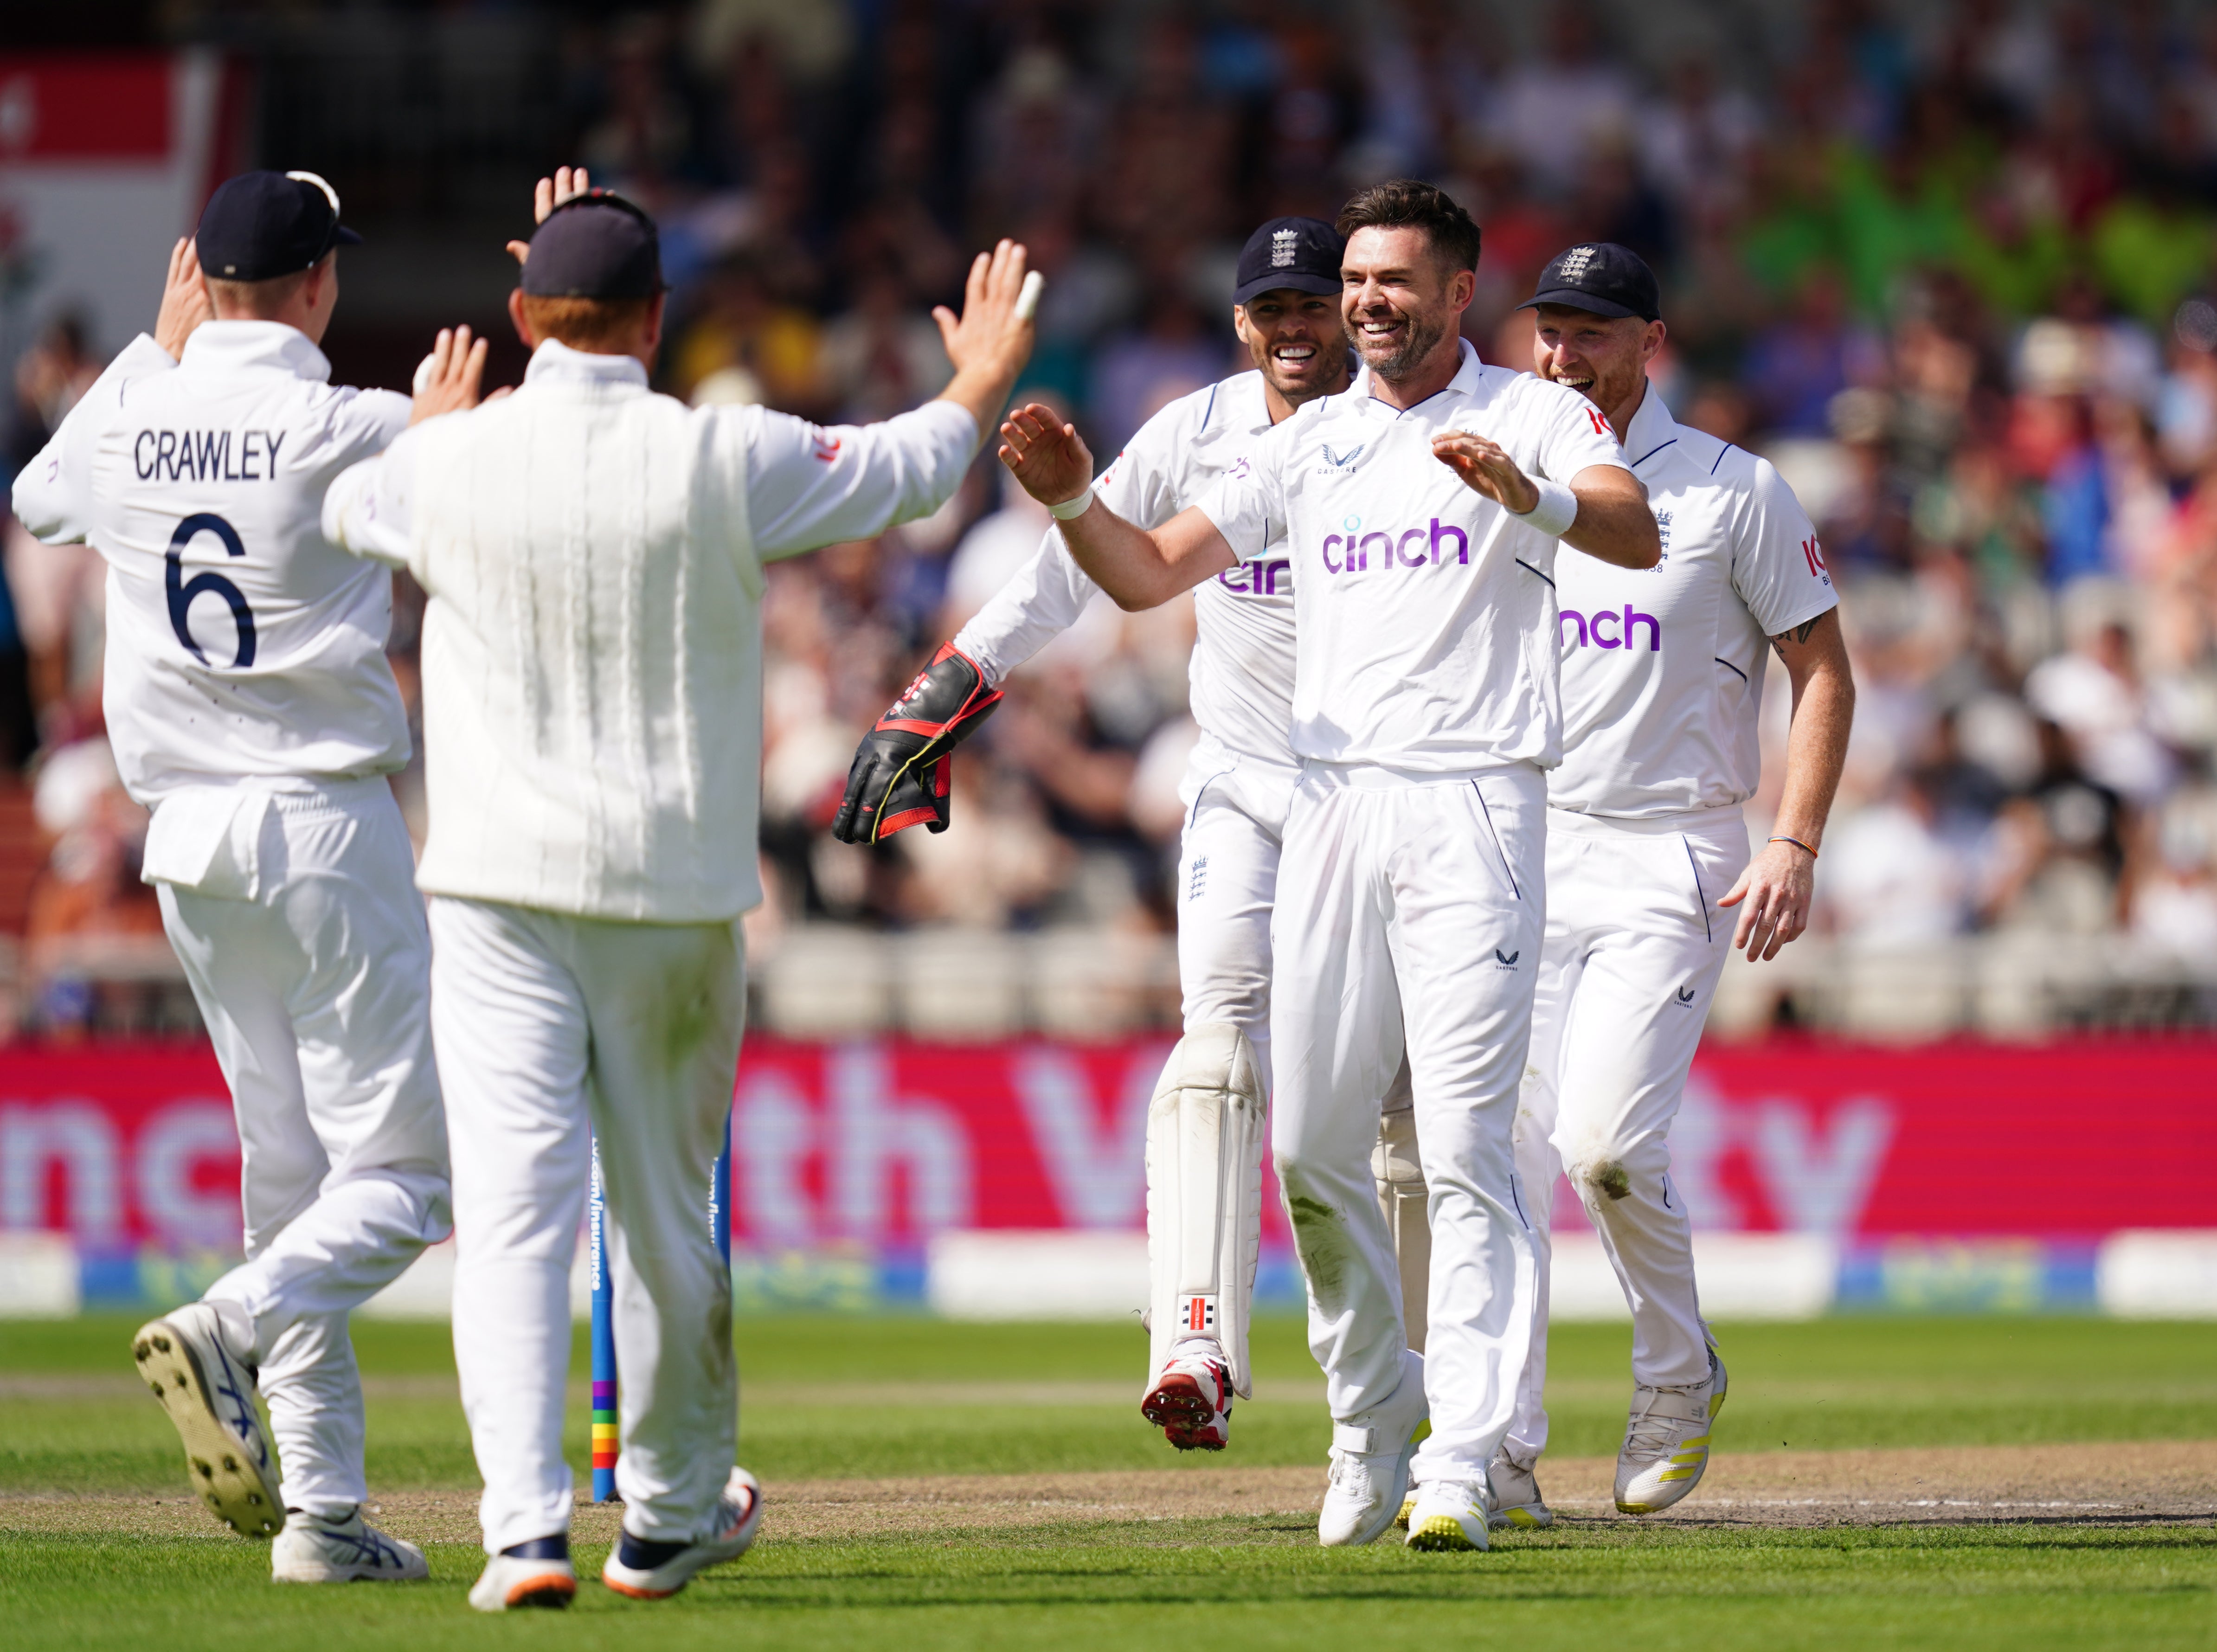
x=1601 y=278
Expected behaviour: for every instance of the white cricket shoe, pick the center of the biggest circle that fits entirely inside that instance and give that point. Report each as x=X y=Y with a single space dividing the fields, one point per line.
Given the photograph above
x=1512 y=1495
x=1448 y=1515
x=320 y=1548
x=647 y=1570
x=535 y=1574
x=1666 y=1442
x=210 y=1395
x=1370 y=1458
x=1191 y=1400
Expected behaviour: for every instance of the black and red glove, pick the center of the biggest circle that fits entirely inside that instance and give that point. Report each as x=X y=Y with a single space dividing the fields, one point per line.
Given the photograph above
x=902 y=771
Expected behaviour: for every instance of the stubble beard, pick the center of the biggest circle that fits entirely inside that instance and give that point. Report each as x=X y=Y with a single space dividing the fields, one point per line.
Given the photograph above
x=1423 y=337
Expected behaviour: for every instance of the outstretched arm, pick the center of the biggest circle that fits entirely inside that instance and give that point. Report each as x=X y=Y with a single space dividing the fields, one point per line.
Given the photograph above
x=1780 y=883
x=1613 y=522
x=1137 y=568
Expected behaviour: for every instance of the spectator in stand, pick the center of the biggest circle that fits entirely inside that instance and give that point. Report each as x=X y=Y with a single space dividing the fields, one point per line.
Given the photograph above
x=58 y=593
x=88 y=893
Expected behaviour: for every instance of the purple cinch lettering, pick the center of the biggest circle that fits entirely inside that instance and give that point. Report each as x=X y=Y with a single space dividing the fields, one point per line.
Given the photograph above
x=1574 y=617
x=1331 y=540
x=1271 y=570
x=1441 y=530
x=1362 y=551
x=1633 y=617
x=1227 y=581
x=1401 y=548
x=1601 y=641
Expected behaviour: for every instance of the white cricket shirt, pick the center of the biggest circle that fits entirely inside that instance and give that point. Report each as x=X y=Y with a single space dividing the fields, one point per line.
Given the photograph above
x=592 y=649
x=1423 y=612
x=1242 y=670
x=242 y=646
x=1662 y=667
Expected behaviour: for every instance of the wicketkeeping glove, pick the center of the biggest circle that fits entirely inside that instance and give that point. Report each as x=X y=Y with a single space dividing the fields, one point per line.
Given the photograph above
x=900 y=776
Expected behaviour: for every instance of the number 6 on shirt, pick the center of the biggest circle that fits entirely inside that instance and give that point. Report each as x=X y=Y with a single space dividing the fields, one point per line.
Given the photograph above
x=181 y=591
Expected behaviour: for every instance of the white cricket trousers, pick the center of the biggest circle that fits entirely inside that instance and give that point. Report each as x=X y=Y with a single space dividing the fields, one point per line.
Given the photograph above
x=1633 y=948
x=553 y=1029
x=1409 y=918
x=304 y=941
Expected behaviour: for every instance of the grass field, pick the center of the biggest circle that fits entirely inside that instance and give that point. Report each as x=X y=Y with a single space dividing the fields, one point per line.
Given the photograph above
x=96 y=1551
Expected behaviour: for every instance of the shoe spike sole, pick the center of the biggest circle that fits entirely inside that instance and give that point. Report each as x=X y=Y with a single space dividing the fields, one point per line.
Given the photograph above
x=228 y=1482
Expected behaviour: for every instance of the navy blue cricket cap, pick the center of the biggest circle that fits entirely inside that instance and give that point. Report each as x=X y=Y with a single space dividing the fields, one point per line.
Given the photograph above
x=1302 y=253
x=260 y=225
x=1603 y=278
x=594 y=245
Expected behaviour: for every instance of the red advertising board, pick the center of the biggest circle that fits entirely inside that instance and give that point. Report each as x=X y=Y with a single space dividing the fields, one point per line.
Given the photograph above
x=882 y=1141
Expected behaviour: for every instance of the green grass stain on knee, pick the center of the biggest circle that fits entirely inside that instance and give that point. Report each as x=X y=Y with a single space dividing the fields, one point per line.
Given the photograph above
x=1321 y=1237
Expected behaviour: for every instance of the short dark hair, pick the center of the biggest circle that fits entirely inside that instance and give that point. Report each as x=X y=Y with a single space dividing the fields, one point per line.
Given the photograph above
x=1401 y=203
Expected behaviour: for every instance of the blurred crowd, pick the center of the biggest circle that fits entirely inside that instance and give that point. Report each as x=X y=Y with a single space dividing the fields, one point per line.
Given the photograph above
x=1949 y=265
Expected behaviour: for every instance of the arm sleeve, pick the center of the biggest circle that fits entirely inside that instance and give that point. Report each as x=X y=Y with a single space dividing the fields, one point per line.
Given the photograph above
x=1247 y=506
x=1042 y=602
x=1778 y=567
x=1049 y=593
x=368 y=512
x=810 y=485
x=1574 y=434
x=53 y=495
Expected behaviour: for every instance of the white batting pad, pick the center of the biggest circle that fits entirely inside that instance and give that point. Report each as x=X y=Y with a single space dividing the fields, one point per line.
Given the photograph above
x=1205 y=1127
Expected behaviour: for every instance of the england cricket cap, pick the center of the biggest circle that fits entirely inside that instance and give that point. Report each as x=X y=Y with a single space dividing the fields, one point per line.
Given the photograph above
x=594 y=245
x=260 y=225
x=1302 y=253
x=1603 y=278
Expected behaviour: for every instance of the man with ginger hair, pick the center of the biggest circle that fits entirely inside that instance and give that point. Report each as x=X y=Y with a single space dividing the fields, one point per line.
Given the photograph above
x=594 y=556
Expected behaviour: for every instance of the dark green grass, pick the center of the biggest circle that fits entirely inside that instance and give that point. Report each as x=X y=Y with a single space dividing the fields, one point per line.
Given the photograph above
x=837 y=1396
x=821 y=1396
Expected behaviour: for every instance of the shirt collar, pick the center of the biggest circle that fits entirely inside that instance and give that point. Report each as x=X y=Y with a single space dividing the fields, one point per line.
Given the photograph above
x=1463 y=385
x=1251 y=411
x=554 y=362
x=1651 y=429
x=232 y=346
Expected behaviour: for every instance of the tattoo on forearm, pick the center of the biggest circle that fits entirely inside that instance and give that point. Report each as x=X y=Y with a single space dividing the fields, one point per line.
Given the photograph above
x=1800 y=633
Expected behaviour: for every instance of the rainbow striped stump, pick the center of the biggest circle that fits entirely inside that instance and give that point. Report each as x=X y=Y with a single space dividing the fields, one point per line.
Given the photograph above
x=607 y=1442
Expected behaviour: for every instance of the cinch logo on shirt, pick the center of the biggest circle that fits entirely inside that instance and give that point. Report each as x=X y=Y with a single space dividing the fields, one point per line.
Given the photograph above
x=1590 y=628
x=1393 y=550
x=1255 y=579
x=205 y=455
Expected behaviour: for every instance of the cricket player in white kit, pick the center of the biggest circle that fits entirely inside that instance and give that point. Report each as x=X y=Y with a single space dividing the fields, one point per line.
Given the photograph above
x=1647 y=853
x=1421 y=510
x=252 y=709
x=1206 y=1123
x=592 y=659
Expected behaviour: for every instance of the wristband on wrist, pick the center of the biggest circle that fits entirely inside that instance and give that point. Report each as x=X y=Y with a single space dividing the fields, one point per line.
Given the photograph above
x=1069 y=508
x=1797 y=843
x=1557 y=510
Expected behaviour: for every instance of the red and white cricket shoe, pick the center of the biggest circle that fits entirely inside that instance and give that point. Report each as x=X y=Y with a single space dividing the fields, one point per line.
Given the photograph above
x=1191 y=1400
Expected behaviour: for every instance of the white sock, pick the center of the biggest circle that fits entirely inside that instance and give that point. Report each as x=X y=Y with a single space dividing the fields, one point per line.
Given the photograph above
x=1197 y=1348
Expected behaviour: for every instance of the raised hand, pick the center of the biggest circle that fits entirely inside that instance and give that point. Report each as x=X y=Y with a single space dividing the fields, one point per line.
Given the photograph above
x=1045 y=454
x=567 y=184
x=185 y=301
x=448 y=381
x=1485 y=467
x=991 y=333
